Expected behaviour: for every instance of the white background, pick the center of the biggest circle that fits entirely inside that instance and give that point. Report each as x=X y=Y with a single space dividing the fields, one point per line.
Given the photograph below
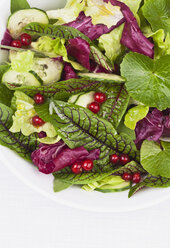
x=29 y=220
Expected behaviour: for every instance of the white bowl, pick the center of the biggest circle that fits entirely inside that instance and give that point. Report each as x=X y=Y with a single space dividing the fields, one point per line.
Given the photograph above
x=74 y=196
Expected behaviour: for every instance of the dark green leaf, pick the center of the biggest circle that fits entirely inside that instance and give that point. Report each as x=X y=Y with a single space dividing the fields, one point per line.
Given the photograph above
x=21 y=144
x=3 y=69
x=66 y=32
x=158 y=14
x=61 y=90
x=150 y=181
x=80 y=127
x=116 y=104
x=18 y=5
x=131 y=167
x=148 y=81
x=5 y=95
x=59 y=185
x=68 y=177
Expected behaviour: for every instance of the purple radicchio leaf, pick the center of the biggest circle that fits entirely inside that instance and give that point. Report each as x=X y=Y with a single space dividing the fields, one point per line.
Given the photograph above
x=68 y=72
x=132 y=36
x=84 y=24
x=95 y=68
x=52 y=158
x=152 y=127
x=80 y=49
x=7 y=39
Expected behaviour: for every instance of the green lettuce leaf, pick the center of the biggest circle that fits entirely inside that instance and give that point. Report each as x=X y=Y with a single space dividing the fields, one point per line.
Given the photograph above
x=155 y=159
x=5 y=95
x=22 y=61
x=18 y=5
x=103 y=13
x=17 y=142
x=22 y=118
x=150 y=181
x=162 y=43
x=134 y=115
x=110 y=43
x=107 y=181
x=158 y=14
x=148 y=81
x=69 y=13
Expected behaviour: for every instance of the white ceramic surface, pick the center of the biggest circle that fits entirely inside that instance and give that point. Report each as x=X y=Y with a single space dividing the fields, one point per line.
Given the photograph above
x=74 y=197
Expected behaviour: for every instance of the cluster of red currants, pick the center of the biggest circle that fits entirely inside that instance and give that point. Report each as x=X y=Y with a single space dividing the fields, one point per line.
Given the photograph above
x=25 y=40
x=86 y=165
x=99 y=98
x=36 y=120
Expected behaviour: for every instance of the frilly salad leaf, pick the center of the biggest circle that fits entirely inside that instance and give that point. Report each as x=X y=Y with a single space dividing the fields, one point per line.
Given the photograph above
x=148 y=81
x=161 y=41
x=110 y=43
x=134 y=115
x=158 y=14
x=18 y=5
x=150 y=181
x=103 y=13
x=22 y=118
x=68 y=13
x=68 y=33
x=108 y=180
x=60 y=90
x=80 y=127
x=155 y=158
x=22 y=61
x=24 y=146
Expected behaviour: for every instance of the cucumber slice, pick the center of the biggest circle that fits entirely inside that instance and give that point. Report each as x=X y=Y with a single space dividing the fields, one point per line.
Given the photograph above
x=23 y=17
x=25 y=78
x=84 y=100
x=74 y=98
x=49 y=70
x=114 y=188
x=103 y=77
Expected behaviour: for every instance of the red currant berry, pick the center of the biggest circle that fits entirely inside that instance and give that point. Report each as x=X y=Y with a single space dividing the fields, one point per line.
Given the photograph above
x=114 y=158
x=87 y=165
x=127 y=177
x=37 y=121
x=124 y=159
x=38 y=98
x=100 y=97
x=94 y=107
x=16 y=43
x=76 y=168
x=136 y=177
x=26 y=39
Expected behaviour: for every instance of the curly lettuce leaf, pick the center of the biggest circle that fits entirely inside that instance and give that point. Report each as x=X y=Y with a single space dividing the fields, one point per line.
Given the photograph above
x=110 y=43
x=22 y=61
x=155 y=159
x=158 y=14
x=148 y=81
x=103 y=13
x=69 y=13
x=22 y=118
x=134 y=115
x=17 y=142
x=162 y=43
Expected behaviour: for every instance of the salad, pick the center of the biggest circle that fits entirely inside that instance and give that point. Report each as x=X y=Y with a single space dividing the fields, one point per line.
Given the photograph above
x=85 y=92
